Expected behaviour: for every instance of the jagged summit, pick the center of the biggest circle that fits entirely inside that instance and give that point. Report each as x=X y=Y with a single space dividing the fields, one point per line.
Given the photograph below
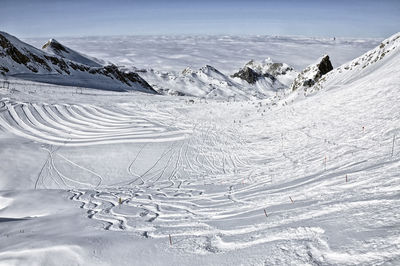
x=312 y=74
x=325 y=65
x=254 y=80
x=270 y=67
x=247 y=74
x=279 y=73
x=54 y=47
x=25 y=61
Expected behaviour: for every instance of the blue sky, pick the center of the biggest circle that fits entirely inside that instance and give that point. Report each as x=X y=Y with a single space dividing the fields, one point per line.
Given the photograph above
x=56 y=18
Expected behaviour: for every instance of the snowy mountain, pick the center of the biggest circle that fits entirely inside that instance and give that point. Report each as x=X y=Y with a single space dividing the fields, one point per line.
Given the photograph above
x=21 y=60
x=371 y=66
x=254 y=80
x=56 y=48
x=312 y=74
x=114 y=178
x=278 y=75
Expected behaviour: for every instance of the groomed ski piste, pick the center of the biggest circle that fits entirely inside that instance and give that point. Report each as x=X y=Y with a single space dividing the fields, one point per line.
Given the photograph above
x=92 y=177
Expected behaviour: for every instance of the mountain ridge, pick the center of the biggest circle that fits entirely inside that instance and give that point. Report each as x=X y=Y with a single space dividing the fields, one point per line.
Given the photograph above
x=22 y=60
x=54 y=47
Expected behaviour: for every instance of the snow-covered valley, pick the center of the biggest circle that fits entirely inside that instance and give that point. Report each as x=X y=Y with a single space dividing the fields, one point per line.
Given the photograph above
x=308 y=176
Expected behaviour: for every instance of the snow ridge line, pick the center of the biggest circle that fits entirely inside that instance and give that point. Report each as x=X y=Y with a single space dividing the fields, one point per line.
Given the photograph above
x=74 y=125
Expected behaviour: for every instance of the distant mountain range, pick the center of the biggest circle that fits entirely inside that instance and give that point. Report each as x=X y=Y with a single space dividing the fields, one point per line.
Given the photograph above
x=58 y=64
x=254 y=80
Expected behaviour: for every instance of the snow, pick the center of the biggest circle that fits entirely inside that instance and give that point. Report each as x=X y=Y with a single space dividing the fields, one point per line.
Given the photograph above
x=52 y=47
x=21 y=60
x=109 y=178
x=208 y=82
x=225 y=53
x=163 y=61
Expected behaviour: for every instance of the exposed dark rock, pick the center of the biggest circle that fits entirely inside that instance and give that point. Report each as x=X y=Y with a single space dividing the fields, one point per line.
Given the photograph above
x=4 y=69
x=270 y=76
x=125 y=77
x=275 y=67
x=279 y=69
x=40 y=61
x=254 y=71
x=32 y=68
x=312 y=74
x=55 y=45
x=325 y=65
x=212 y=69
x=59 y=62
x=13 y=52
x=308 y=83
x=79 y=67
x=248 y=75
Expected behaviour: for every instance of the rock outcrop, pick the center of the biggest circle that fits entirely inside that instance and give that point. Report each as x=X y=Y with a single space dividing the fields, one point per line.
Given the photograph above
x=254 y=71
x=248 y=75
x=312 y=74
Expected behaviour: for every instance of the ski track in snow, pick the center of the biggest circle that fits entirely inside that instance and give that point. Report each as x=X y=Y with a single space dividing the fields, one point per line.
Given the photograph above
x=311 y=182
x=209 y=189
x=74 y=125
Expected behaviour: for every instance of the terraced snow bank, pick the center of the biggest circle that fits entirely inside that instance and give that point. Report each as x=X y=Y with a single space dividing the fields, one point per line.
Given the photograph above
x=108 y=178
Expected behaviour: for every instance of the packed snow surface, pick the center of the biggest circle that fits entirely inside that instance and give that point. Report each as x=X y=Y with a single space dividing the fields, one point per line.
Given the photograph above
x=108 y=178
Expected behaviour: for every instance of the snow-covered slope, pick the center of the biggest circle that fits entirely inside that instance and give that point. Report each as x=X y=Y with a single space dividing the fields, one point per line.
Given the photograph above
x=56 y=48
x=110 y=178
x=370 y=67
x=24 y=61
x=254 y=80
x=312 y=74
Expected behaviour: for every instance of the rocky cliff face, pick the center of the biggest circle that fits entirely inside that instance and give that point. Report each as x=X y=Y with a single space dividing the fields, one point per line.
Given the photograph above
x=312 y=74
x=325 y=65
x=247 y=74
x=279 y=74
x=20 y=59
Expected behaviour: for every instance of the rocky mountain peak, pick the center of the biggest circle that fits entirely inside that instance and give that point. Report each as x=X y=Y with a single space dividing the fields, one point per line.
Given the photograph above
x=266 y=70
x=325 y=65
x=55 y=45
x=247 y=74
x=65 y=66
x=312 y=74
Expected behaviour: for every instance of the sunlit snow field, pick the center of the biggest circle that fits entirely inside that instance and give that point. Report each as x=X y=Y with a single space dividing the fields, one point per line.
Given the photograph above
x=105 y=178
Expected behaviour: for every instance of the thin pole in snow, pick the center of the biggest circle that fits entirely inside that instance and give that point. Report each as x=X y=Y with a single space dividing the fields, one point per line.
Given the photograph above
x=170 y=240
x=394 y=138
x=265 y=212
x=291 y=199
x=346 y=178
